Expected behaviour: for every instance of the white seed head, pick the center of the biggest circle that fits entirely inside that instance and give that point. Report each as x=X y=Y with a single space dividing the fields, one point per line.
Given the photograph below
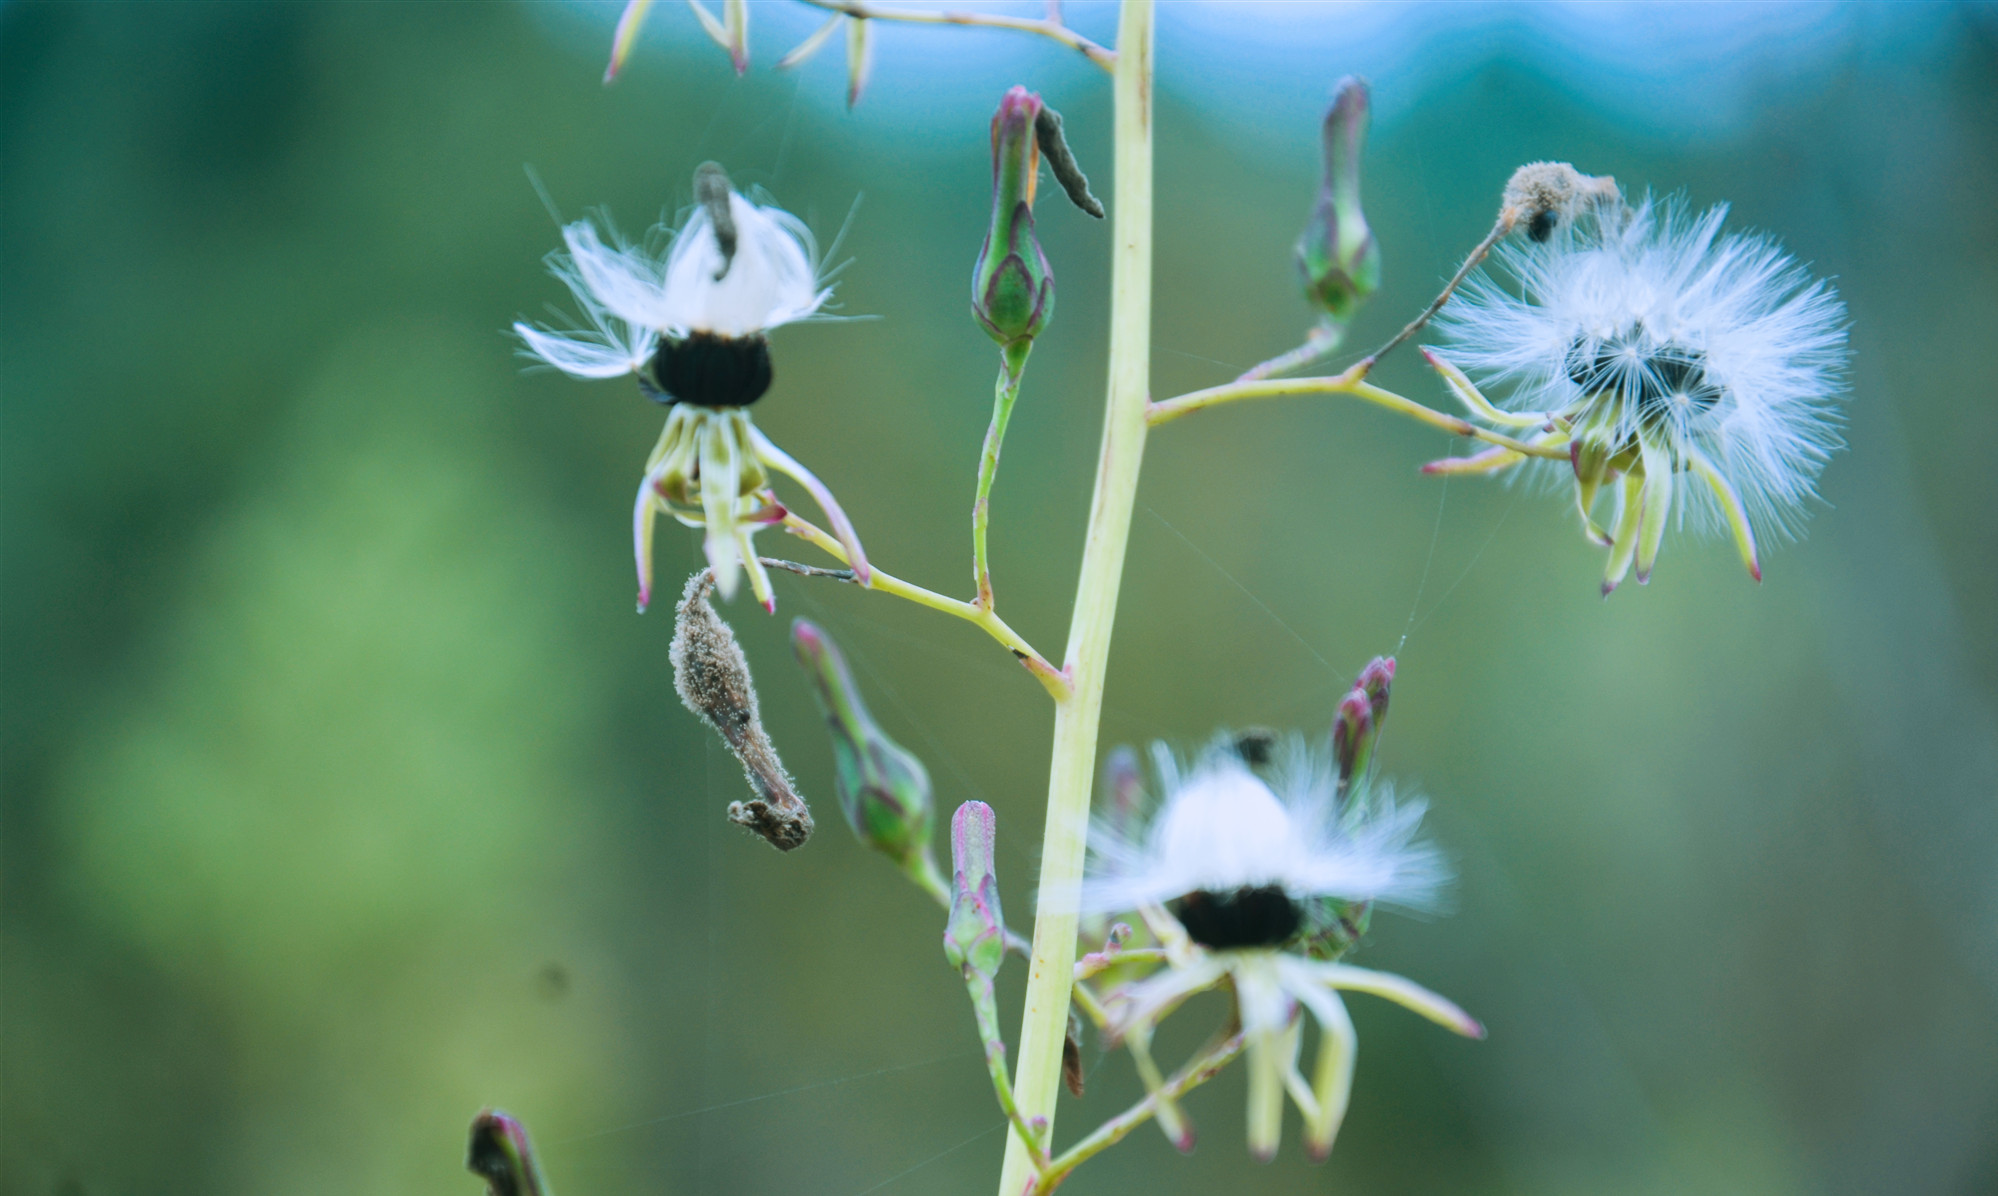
x=631 y=295
x=1219 y=827
x=1649 y=318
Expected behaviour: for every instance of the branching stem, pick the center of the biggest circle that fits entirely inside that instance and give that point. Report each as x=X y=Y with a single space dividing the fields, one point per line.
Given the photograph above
x=1202 y=1068
x=1049 y=27
x=1072 y=769
x=1353 y=382
x=1051 y=678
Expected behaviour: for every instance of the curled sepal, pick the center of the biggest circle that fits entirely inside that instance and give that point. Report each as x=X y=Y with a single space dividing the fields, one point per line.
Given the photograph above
x=804 y=50
x=1731 y=507
x=859 y=58
x=501 y=1154
x=711 y=676
x=1012 y=286
x=1337 y=254
x=731 y=32
x=628 y=24
x=882 y=789
x=975 y=936
x=1403 y=992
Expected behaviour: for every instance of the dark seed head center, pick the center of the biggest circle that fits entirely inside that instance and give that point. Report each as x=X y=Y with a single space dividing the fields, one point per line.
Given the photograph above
x=1258 y=916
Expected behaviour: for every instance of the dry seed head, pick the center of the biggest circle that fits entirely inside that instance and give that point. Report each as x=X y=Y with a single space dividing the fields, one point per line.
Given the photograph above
x=712 y=677
x=1542 y=196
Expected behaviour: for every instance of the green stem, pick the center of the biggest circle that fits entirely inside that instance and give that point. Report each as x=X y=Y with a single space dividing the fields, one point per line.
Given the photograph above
x=1198 y=1071
x=1044 y=1025
x=1012 y=365
x=986 y=1008
x=1353 y=382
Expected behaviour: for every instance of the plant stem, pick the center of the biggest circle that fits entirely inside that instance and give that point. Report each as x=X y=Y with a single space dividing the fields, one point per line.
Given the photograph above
x=1050 y=677
x=1044 y=1026
x=1197 y=1072
x=1049 y=28
x=1012 y=365
x=1353 y=382
x=984 y=1006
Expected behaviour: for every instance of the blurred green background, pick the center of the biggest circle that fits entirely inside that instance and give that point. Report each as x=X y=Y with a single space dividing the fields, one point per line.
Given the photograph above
x=344 y=793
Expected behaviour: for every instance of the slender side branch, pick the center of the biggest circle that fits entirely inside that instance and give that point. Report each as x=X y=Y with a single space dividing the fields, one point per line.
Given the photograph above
x=1012 y=366
x=1352 y=382
x=1049 y=27
x=1052 y=679
x=1503 y=226
x=1197 y=1071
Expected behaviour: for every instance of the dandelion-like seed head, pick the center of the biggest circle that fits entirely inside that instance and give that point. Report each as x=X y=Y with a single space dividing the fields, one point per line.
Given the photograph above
x=691 y=319
x=1243 y=861
x=1241 y=858
x=1701 y=369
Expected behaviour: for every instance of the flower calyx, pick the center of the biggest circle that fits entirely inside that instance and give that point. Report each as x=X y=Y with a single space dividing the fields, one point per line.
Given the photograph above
x=975 y=935
x=1012 y=285
x=1337 y=254
x=883 y=790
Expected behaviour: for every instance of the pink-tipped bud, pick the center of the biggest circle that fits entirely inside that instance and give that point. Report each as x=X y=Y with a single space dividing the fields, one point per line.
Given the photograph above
x=1012 y=286
x=501 y=1154
x=975 y=936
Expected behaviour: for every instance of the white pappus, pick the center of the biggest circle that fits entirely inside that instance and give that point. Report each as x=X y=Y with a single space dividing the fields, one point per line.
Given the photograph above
x=692 y=324
x=1237 y=878
x=1702 y=369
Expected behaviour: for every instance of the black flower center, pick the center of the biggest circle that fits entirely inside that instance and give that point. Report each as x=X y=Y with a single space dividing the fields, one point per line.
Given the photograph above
x=712 y=371
x=1263 y=916
x=1665 y=380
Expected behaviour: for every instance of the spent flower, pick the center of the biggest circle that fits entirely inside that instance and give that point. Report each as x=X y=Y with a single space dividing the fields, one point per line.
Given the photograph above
x=692 y=322
x=1228 y=875
x=1696 y=373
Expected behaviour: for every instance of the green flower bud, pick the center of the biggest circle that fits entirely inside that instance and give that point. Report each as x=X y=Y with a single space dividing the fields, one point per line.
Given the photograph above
x=882 y=789
x=1337 y=254
x=975 y=936
x=1012 y=287
x=501 y=1154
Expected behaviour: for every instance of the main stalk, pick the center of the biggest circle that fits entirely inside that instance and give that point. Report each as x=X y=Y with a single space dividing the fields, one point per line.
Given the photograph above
x=1045 y=1023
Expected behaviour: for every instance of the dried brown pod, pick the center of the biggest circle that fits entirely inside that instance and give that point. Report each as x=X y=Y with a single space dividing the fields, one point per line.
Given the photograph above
x=712 y=677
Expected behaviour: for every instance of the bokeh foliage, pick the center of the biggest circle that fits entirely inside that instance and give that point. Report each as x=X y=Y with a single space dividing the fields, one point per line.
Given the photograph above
x=344 y=794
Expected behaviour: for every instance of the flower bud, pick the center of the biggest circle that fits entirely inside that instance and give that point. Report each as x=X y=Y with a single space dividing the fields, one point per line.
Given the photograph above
x=1357 y=725
x=1012 y=287
x=1337 y=254
x=501 y=1154
x=883 y=790
x=975 y=936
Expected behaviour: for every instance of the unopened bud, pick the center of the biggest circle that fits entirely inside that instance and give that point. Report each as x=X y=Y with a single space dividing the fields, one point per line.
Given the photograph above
x=975 y=936
x=1012 y=286
x=1337 y=254
x=1542 y=196
x=712 y=677
x=883 y=790
x=501 y=1154
x=1357 y=725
